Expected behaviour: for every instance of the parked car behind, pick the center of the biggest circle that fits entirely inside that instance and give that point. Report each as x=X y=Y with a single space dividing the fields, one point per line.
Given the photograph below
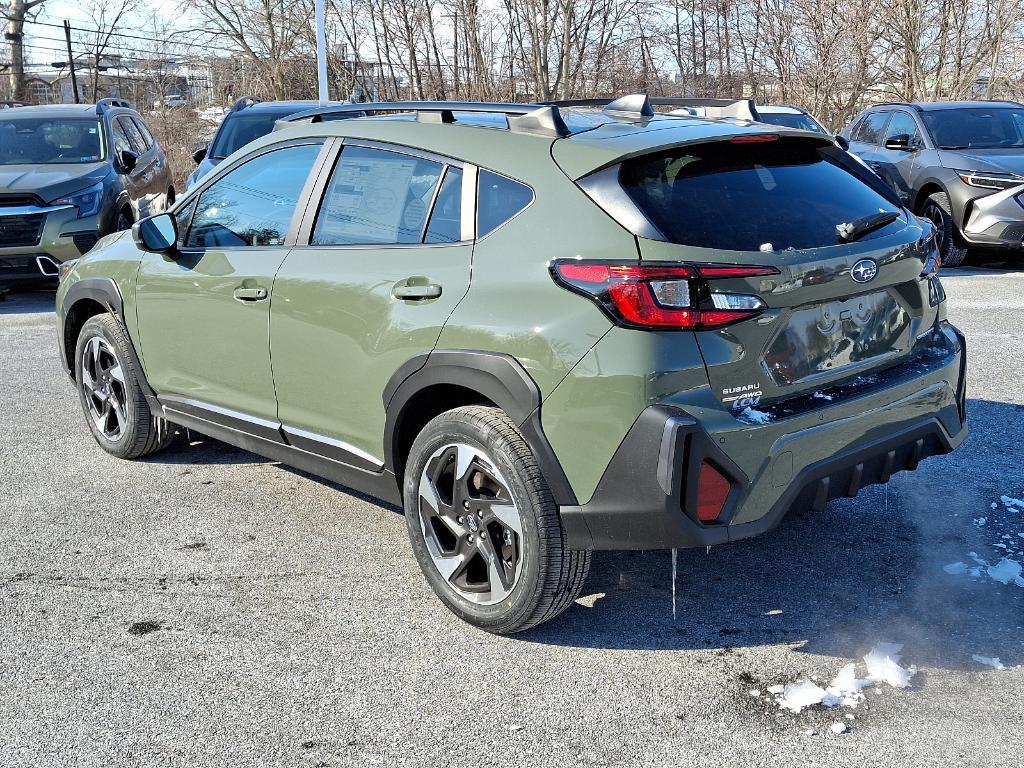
x=247 y=120
x=961 y=164
x=791 y=117
x=578 y=329
x=70 y=174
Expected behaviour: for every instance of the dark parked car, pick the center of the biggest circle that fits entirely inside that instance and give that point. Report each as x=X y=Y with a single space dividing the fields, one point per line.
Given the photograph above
x=246 y=121
x=959 y=163
x=70 y=174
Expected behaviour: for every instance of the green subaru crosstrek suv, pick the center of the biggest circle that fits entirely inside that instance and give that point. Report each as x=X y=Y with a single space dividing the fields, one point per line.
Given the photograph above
x=542 y=330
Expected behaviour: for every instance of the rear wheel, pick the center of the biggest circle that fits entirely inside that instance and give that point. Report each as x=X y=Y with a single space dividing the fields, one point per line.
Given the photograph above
x=112 y=399
x=938 y=210
x=484 y=526
x=123 y=220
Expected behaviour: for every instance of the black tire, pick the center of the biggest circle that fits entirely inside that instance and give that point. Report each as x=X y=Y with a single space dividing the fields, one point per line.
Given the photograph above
x=549 y=576
x=123 y=221
x=129 y=430
x=938 y=210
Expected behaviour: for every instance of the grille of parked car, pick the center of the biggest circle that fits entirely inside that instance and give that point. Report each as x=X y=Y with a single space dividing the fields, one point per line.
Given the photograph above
x=20 y=229
x=10 y=200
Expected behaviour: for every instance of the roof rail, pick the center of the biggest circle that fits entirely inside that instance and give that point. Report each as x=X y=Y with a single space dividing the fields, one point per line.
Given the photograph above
x=105 y=104
x=641 y=106
x=242 y=103
x=538 y=119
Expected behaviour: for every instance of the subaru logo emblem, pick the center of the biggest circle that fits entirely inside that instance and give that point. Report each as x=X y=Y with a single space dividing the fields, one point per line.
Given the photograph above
x=864 y=271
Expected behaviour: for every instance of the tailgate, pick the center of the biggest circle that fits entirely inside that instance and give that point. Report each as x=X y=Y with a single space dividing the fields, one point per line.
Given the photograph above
x=821 y=325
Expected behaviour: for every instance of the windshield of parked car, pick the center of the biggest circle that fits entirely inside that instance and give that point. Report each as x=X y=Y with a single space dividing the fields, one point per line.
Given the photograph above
x=762 y=196
x=976 y=127
x=49 y=140
x=240 y=128
x=787 y=120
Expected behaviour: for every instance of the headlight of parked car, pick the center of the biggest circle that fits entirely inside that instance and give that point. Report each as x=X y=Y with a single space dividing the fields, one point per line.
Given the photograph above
x=87 y=201
x=987 y=180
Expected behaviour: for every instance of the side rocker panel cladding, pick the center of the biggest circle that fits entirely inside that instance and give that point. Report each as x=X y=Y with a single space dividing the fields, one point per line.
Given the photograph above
x=499 y=378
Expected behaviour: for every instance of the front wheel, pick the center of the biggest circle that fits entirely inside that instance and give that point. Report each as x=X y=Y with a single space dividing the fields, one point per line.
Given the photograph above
x=938 y=210
x=484 y=526
x=112 y=399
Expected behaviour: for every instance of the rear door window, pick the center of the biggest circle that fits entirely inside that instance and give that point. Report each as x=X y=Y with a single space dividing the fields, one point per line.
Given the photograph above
x=499 y=199
x=790 y=193
x=376 y=197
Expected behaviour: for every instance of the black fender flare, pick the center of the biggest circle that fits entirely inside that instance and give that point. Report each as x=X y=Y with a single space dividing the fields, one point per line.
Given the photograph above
x=104 y=291
x=499 y=378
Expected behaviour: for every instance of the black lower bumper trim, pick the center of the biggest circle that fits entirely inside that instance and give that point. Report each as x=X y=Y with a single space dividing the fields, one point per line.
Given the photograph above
x=631 y=510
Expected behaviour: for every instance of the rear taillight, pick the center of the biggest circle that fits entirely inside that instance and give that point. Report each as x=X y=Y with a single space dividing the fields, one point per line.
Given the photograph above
x=712 y=491
x=664 y=296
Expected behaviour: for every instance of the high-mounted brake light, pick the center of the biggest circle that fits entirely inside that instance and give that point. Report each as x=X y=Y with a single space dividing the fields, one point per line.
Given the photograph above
x=754 y=138
x=662 y=296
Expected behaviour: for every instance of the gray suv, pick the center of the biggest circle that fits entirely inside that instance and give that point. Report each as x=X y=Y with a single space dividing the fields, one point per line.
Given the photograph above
x=959 y=163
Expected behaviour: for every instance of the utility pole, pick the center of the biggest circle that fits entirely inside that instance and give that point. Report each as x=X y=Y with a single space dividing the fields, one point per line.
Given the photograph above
x=321 y=52
x=71 y=59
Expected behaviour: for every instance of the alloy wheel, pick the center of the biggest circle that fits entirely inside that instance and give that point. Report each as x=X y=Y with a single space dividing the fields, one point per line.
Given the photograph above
x=470 y=524
x=103 y=387
x=936 y=216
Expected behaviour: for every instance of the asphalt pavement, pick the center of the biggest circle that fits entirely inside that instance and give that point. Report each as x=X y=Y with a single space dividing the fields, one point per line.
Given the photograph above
x=206 y=607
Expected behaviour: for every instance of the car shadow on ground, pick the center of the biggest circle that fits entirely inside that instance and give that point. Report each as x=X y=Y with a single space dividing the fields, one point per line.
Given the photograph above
x=19 y=302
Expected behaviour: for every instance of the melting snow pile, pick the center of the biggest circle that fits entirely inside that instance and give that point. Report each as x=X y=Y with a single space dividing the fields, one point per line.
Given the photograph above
x=882 y=664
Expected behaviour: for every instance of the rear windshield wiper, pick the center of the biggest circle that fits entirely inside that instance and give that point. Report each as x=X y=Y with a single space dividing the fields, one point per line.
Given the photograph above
x=855 y=230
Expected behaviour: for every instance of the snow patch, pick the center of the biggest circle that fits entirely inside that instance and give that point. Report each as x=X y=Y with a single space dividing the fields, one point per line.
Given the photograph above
x=1009 y=501
x=839 y=728
x=754 y=416
x=1005 y=571
x=883 y=666
x=989 y=661
x=956 y=569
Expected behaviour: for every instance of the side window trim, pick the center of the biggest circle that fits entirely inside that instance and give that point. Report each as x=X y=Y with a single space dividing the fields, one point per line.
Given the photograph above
x=297 y=215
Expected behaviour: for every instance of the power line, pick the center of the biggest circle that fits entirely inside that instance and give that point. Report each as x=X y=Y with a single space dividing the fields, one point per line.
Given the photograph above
x=125 y=35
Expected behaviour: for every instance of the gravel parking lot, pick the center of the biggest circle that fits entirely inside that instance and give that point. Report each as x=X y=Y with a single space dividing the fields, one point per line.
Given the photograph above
x=207 y=607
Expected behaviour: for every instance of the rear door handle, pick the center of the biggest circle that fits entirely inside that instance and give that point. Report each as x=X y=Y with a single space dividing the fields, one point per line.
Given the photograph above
x=250 y=294
x=407 y=290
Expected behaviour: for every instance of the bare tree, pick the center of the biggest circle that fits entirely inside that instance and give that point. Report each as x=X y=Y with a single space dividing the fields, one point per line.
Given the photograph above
x=16 y=12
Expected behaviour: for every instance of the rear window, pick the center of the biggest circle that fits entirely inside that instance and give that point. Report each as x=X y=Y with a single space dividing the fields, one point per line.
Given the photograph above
x=791 y=120
x=239 y=129
x=778 y=195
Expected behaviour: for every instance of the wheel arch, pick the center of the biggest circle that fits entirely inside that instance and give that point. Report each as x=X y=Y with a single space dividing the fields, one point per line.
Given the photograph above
x=928 y=189
x=432 y=383
x=87 y=298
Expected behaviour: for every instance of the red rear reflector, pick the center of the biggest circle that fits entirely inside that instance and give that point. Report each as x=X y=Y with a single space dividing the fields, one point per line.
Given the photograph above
x=722 y=271
x=754 y=138
x=712 y=490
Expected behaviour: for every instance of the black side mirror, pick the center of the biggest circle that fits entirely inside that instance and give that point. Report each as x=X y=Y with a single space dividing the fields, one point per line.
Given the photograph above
x=128 y=160
x=200 y=154
x=901 y=142
x=157 y=234
x=842 y=143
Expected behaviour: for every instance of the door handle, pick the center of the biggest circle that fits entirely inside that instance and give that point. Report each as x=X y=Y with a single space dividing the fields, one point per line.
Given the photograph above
x=250 y=294
x=407 y=290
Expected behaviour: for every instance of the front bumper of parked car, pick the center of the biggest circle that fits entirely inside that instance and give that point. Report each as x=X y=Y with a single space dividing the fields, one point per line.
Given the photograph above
x=35 y=240
x=807 y=454
x=995 y=219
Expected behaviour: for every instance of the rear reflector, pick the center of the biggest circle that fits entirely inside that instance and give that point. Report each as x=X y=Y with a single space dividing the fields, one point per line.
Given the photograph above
x=659 y=295
x=712 y=491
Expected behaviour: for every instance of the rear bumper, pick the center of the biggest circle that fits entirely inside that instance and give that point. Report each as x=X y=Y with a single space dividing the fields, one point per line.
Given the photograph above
x=646 y=497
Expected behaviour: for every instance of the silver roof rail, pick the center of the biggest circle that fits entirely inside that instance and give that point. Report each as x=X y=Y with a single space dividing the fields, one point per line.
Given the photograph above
x=641 y=106
x=538 y=119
